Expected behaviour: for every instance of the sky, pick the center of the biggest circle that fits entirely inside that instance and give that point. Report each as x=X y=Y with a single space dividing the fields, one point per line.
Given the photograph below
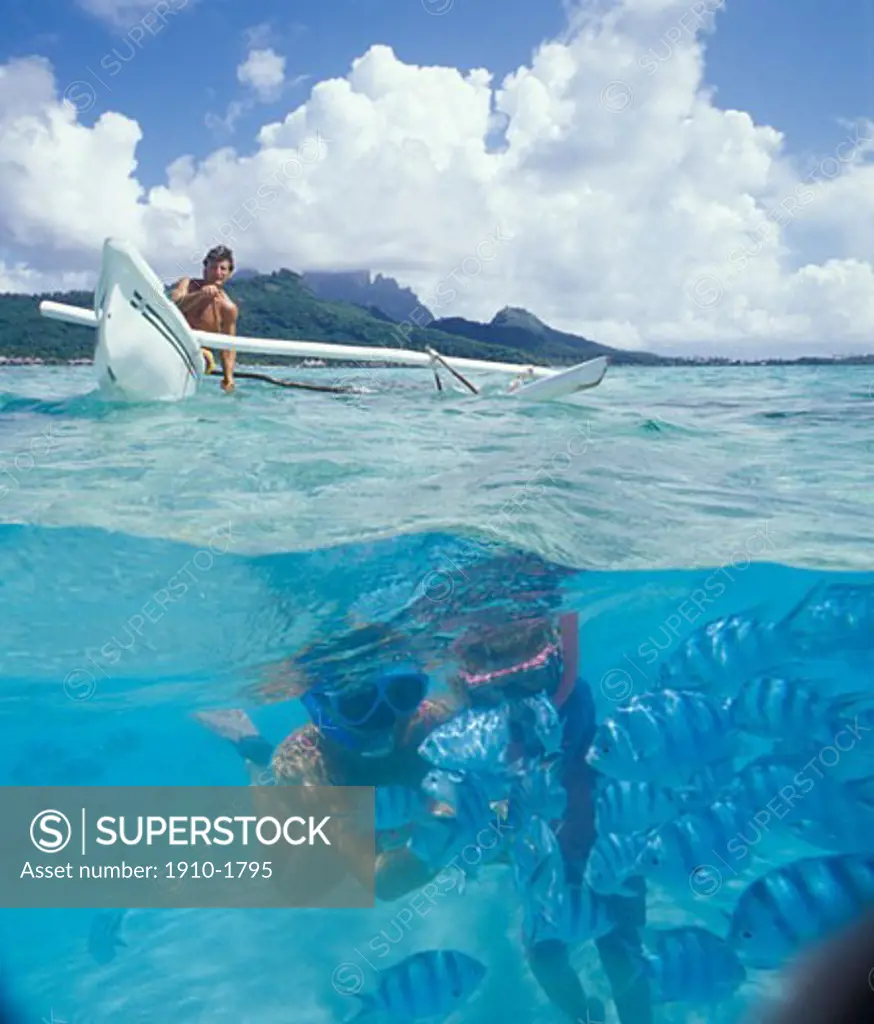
x=677 y=175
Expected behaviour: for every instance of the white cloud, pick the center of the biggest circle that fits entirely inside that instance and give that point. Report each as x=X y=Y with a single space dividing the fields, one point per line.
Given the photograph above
x=264 y=72
x=640 y=212
x=122 y=14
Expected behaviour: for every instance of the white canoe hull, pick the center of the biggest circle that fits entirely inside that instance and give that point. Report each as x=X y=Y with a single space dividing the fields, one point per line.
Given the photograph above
x=145 y=351
x=565 y=382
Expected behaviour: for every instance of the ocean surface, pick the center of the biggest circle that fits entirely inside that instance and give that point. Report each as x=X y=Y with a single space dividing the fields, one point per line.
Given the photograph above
x=659 y=502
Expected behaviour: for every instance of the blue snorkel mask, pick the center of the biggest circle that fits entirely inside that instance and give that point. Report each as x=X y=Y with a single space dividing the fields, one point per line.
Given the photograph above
x=363 y=717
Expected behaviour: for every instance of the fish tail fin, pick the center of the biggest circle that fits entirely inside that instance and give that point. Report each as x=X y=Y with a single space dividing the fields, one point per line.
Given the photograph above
x=850 y=703
x=366 y=1008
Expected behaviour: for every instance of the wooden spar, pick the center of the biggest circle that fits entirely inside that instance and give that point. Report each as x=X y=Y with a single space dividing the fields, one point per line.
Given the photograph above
x=438 y=358
x=437 y=380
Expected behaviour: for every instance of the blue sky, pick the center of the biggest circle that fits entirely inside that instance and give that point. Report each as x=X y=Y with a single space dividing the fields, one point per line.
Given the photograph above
x=799 y=72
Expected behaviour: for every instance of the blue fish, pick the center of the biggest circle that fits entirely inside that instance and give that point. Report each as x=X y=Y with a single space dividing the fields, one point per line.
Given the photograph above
x=538 y=865
x=612 y=861
x=662 y=735
x=584 y=915
x=538 y=869
x=104 y=940
x=539 y=790
x=706 y=785
x=622 y=806
x=773 y=707
x=397 y=807
x=474 y=740
x=832 y=615
x=837 y=827
x=680 y=852
x=783 y=785
x=689 y=965
x=793 y=907
x=432 y=983
x=721 y=651
x=440 y=786
x=542 y=727
x=436 y=839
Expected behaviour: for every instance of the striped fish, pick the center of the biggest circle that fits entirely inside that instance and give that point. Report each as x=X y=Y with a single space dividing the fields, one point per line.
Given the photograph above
x=612 y=861
x=540 y=791
x=622 y=806
x=396 y=807
x=720 y=652
x=684 y=847
x=781 y=783
x=793 y=907
x=706 y=785
x=585 y=915
x=662 y=734
x=837 y=827
x=777 y=707
x=832 y=615
x=690 y=965
x=427 y=984
x=542 y=727
x=473 y=740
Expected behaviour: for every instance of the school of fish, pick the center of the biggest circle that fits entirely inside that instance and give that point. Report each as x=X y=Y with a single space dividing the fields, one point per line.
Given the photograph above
x=740 y=784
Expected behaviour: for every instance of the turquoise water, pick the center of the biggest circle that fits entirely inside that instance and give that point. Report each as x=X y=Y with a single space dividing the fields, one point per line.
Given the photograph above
x=293 y=519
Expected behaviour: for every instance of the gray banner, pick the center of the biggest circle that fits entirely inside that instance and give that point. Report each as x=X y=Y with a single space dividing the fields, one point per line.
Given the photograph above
x=184 y=846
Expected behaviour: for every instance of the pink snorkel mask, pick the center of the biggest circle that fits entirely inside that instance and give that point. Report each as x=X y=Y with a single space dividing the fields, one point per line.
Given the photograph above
x=555 y=663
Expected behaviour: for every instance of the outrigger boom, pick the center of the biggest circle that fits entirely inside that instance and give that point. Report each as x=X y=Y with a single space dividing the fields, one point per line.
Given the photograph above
x=141 y=336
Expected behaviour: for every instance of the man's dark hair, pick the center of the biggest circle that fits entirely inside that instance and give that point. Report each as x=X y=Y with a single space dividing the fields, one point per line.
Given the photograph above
x=219 y=253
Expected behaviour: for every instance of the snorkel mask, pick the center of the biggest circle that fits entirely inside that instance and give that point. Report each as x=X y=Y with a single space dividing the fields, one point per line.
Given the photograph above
x=364 y=717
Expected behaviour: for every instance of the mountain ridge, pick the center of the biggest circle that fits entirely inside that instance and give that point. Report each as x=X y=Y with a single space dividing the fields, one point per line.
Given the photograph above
x=281 y=305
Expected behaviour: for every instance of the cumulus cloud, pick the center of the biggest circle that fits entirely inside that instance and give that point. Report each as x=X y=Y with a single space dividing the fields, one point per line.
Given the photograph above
x=263 y=75
x=264 y=72
x=600 y=185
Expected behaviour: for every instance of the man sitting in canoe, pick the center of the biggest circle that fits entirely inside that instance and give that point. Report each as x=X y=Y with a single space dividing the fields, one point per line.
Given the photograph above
x=205 y=305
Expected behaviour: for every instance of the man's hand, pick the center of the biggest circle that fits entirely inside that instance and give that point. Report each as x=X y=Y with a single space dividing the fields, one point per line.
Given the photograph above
x=211 y=289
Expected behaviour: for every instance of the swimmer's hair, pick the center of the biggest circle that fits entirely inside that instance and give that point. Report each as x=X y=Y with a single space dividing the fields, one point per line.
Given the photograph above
x=219 y=253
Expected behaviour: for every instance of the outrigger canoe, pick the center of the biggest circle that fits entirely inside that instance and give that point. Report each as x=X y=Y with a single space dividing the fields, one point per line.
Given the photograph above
x=146 y=352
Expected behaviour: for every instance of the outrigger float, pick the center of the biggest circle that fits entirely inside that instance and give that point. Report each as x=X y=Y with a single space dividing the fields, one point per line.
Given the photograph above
x=146 y=352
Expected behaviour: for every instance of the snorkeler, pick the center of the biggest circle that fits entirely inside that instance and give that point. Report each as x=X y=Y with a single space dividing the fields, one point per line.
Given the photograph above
x=518 y=660
x=363 y=731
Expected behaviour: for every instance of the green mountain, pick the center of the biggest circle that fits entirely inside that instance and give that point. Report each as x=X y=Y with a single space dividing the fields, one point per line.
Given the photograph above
x=524 y=332
x=279 y=305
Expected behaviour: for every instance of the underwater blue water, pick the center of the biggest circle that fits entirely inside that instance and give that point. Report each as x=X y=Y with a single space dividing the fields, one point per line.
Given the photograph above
x=159 y=561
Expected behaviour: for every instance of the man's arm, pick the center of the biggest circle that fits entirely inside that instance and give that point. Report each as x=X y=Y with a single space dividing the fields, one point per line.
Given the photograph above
x=194 y=303
x=180 y=290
